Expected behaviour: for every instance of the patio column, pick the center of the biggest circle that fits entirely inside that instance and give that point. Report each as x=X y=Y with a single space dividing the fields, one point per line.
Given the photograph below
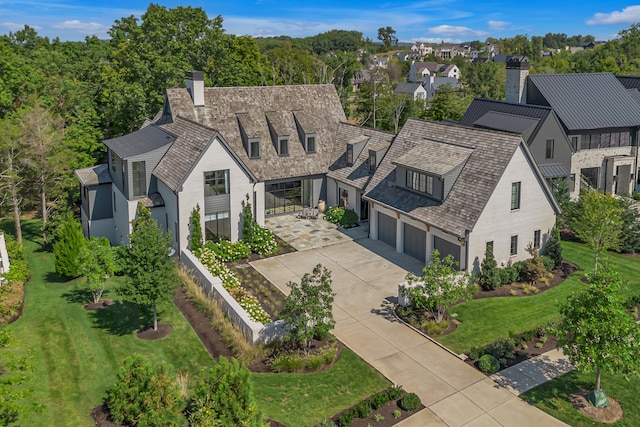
x=429 y=250
x=399 y=234
x=373 y=222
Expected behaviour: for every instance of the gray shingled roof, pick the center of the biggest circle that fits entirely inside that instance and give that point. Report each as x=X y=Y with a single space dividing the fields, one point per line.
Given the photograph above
x=358 y=174
x=319 y=104
x=434 y=157
x=588 y=101
x=491 y=153
x=146 y=139
x=407 y=88
x=94 y=175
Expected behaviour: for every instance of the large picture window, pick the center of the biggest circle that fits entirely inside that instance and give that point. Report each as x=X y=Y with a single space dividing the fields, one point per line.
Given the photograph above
x=217 y=226
x=289 y=196
x=216 y=183
x=139 y=179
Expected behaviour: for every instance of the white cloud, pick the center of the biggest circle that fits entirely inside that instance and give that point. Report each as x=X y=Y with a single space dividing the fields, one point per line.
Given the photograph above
x=628 y=15
x=14 y=26
x=455 y=31
x=498 y=25
x=84 y=27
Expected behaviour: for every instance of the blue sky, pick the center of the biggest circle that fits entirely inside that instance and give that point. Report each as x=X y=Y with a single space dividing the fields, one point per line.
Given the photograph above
x=428 y=20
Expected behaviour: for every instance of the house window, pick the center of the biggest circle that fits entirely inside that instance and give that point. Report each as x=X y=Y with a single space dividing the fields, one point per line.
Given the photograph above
x=536 y=239
x=515 y=196
x=574 y=143
x=420 y=182
x=114 y=202
x=283 y=146
x=113 y=161
x=311 y=144
x=216 y=183
x=349 y=155
x=254 y=148
x=591 y=176
x=217 y=226
x=139 y=179
x=124 y=176
x=549 y=150
x=514 y=246
x=489 y=246
x=372 y=161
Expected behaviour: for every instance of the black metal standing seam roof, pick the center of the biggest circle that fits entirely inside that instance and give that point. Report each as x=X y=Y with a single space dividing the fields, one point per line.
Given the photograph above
x=630 y=82
x=142 y=141
x=479 y=107
x=588 y=101
x=508 y=123
x=491 y=153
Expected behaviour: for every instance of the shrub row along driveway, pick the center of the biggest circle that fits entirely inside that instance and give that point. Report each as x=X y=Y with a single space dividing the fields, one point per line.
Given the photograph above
x=365 y=276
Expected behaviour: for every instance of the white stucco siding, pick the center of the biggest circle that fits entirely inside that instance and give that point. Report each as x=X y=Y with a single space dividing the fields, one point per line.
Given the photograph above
x=192 y=192
x=498 y=222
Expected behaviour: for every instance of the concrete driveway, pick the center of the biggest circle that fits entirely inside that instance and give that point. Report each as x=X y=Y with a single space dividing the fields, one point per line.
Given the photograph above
x=365 y=276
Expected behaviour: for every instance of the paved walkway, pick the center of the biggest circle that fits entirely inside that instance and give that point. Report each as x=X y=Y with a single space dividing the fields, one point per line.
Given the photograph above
x=365 y=275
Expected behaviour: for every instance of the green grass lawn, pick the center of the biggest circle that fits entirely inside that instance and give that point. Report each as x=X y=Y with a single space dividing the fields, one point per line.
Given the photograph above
x=554 y=397
x=77 y=352
x=486 y=320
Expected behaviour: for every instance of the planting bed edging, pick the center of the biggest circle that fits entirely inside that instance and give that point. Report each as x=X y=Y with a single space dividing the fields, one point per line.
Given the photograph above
x=254 y=332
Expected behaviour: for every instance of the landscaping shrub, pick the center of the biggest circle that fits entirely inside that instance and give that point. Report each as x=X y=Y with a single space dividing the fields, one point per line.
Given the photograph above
x=501 y=347
x=346 y=418
x=433 y=328
x=19 y=272
x=489 y=364
x=257 y=238
x=520 y=268
x=409 y=402
x=553 y=249
x=508 y=275
x=334 y=214
x=548 y=262
x=146 y=395
x=195 y=238
x=314 y=362
x=394 y=392
x=476 y=353
x=229 y=252
x=378 y=400
x=349 y=218
x=489 y=277
x=363 y=409
x=325 y=422
x=69 y=242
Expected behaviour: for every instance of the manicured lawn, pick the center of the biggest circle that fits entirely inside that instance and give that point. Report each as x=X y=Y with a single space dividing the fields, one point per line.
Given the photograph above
x=323 y=394
x=77 y=352
x=486 y=320
x=554 y=397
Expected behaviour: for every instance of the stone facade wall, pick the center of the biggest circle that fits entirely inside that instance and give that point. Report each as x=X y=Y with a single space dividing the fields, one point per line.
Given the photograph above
x=594 y=158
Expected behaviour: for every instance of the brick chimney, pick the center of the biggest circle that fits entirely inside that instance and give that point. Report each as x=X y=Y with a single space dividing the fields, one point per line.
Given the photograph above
x=195 y=86
x=517 y=72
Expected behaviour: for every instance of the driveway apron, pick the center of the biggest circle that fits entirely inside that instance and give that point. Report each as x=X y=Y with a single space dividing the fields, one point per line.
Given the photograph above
x=365 y=275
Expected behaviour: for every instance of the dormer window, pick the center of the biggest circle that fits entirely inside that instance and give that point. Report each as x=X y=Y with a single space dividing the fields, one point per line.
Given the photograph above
x=310 y=144
x=283 y=146
x=349 y=155
x=254 y=148
x=372 y=161
x=113 y=160
x=420 y=182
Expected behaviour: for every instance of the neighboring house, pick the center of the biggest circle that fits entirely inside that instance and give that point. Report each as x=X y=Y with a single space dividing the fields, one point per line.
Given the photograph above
x=422 y=48
x=415 y=90
x=600 y=117
x=451 y=70
x=357 y=153
x=539 y=126
x=450 y=51
x=432 y=84
x=458 y=189
x=418 y=71
x=406 y=56
x=213 y=147
x=360 y=77
x=380 y=61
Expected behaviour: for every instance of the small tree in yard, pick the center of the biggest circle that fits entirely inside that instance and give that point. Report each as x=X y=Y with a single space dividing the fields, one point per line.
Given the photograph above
x=597 y=333
x=598 y=222
x=223 y=396
x=533 y=267
x=439 y=287
x=308 y=308
x=150 y=271
x=196 y=230
x=490 y=276
x=630 y=239
x=97 y=264
x=68 y=244
x=553 y=249
x=146 y=395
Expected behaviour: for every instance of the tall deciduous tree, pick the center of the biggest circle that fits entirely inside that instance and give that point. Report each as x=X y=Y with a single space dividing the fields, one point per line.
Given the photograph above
x=12 y=179
x=97 y=264
x=150 y=271
x=439 y=287
x=597 y=333
x=597 y=221
x=387 y=35
x=308 y=308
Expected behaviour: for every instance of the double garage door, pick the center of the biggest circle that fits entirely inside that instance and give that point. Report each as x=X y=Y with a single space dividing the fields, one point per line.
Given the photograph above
x=415 y=239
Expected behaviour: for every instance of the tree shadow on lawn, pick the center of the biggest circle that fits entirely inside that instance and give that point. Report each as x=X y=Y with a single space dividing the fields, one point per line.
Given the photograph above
x=122 y=318
x=53 y=277
x=82 y=295
x=558 y=390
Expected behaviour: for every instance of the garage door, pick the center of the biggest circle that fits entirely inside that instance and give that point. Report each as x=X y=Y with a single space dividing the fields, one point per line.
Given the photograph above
x=446 y=248
x=387 y=229
x=415 y=242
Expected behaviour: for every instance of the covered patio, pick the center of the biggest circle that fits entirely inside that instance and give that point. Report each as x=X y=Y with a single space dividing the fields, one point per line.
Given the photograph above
x=304 y=234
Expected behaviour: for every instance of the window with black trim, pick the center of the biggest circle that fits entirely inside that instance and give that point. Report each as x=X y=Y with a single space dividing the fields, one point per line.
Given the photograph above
x=349 y=155
x=139 y=179
x=420 y=182
x=283 y=146
x=372 y=161
x=310 y=145
x=515 y=195
x=514 y=246
x=550 y=149
x=254 y=148
x=216 y=183
x=536 y=239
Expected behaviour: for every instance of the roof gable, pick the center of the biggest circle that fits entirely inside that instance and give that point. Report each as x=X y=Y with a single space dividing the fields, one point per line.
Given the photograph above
x=142 y=141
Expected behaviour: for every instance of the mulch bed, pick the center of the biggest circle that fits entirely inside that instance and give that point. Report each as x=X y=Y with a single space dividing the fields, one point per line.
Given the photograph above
x=103 y=303
x=559 y=275
x=164 y=329
x=609 y=415
x=527 y=354
x=269 y=296
x=387 y=412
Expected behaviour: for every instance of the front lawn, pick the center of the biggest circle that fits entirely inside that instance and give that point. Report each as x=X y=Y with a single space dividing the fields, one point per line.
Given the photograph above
x=554 y=397
x=486 y=320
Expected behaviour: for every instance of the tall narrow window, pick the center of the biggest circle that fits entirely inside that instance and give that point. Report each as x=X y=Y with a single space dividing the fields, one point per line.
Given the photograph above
x=311 y=143
x=254 y=148
x=216 y=183
x=372 y=161
x=515 y=196
x=574 y=143
x=113 y=160
x=349 y=155
x=536 y=239
x=550 y=149
x=139 y=179
x=514 y=245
